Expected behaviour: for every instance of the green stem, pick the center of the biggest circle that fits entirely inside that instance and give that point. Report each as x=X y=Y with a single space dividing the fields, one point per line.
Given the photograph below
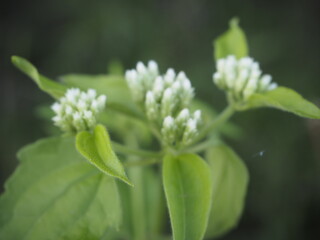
x=138 y=213
x=201 y=146
x=134 y=151
x=222 y=118
x=142 y=162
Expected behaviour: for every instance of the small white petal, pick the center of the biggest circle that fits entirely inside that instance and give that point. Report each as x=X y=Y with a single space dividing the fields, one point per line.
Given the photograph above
x=272 y=86
x=197 y=115
x=141 y=68
x=69 y=110
x=81 y=105
x=87 y=114
x=57 y=108
x=153 y=66
x=168 y=122
x=91 y=93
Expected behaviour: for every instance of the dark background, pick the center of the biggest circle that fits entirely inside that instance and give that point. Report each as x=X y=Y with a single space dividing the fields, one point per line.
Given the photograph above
x=59 y=37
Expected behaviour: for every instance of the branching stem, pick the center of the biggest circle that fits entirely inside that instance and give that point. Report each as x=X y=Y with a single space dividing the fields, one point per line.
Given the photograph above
x=222 y=118
x=134 y=151
x=143 y=162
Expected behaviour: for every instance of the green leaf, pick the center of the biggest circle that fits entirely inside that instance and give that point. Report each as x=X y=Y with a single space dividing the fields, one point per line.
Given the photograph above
x=285 y=99
x=230 y=179
x=188 y=188
x=56 y=194
x=53 y=88
x=232 y=42
x=97 y=149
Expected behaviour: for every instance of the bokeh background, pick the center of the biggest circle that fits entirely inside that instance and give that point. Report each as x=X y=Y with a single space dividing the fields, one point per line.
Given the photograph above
x=281 y=151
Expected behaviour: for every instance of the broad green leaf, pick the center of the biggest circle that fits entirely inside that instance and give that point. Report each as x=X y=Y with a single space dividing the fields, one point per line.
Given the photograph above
x=188 y=189
x=55 y=89
x=230 y=179
x=232 y=42
x=56 y=194
x=96 y=148
x=285 y=99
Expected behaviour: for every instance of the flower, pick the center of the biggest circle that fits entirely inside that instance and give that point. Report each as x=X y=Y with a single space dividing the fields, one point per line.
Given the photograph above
x=241 y=77
x=182 y=129
x=77 y=110
x=165 y=100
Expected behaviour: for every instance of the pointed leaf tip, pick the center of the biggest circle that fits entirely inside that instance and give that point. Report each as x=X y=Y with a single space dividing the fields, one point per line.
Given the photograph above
x=231 y=42
x=285 y=99
x=97 y=149
x=55 y=89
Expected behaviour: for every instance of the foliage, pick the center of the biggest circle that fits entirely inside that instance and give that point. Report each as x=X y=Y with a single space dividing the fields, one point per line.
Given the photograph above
x=66 y=187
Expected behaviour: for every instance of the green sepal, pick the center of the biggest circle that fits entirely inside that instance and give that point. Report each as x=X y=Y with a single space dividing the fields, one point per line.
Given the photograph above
x=54 y=89
x=230 y=179
x=284 y=99
x=188 y=189
x=96 y=148
x=232 y=42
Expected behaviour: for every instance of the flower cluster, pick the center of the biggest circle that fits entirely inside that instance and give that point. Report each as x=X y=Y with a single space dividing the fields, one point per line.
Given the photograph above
x=242 y=77
x=183 y=127
x=77 y=110
x=141 y=79
x=165 y=99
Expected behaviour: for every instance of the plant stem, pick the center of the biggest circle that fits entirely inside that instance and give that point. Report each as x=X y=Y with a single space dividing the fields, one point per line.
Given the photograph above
x=138 y=220
x=201 y=146
x=223 y=117
x=142 y=162
x=134 y=151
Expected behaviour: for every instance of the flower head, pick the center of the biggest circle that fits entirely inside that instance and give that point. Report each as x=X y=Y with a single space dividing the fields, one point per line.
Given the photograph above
x=182 y=129
x=242 y=77
x=164 y=98
x=77 y=110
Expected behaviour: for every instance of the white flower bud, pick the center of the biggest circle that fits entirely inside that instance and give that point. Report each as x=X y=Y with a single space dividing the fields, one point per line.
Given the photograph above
x=181 y=76
x=141 y=68
x=68 y=110
x=158 y=87
x=241 y=78
x=168 y=123
x=151 y=106
x=91 y=93
x=197 y=116
x=167 y=102
x=169 y=76
x=57 y=108
x=183 y=117
x=81 y=105
x=153 y=67
x=168 y=130
x=190 y=131
x=272 y=86
x=101 y=100
x=77 y=110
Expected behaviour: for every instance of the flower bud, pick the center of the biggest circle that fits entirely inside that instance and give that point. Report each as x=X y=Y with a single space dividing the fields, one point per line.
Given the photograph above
x=77 y=110
x=241 y=78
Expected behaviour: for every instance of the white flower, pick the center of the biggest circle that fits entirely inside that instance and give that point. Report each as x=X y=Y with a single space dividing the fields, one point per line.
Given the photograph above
x=77 y=110
x=141 y=79
x=181 y=131
x=242 y=77
x=166 y=100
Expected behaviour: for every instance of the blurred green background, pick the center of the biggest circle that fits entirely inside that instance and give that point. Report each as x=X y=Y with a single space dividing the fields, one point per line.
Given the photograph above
x=80 y=36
